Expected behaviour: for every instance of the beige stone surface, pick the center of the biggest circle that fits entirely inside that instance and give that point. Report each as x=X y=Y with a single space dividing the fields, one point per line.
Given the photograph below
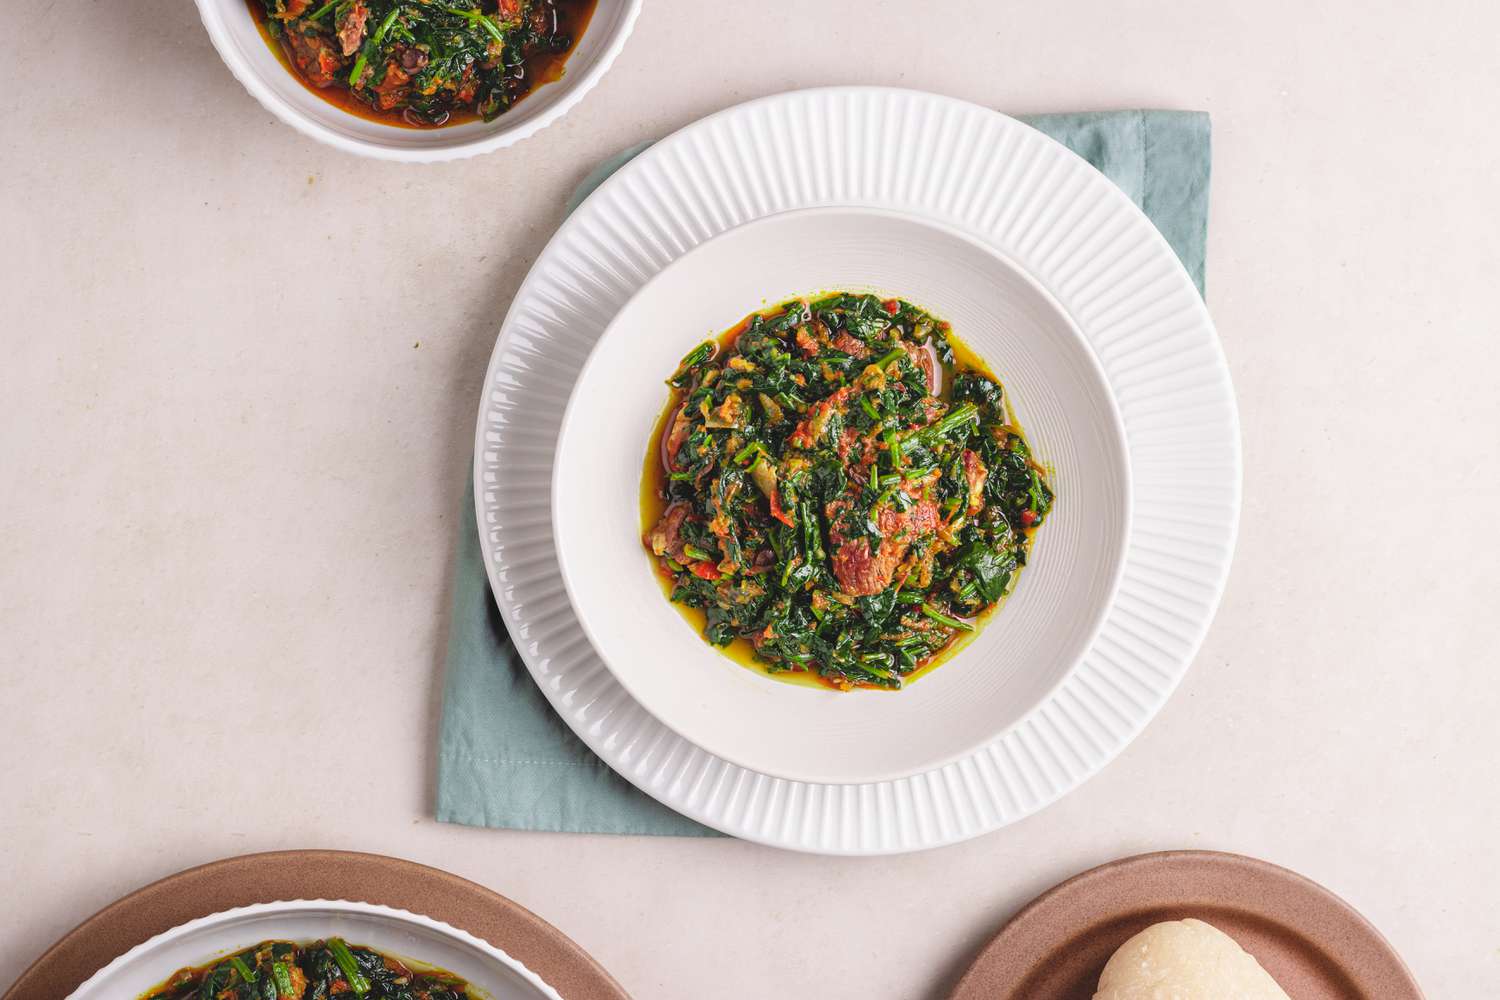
x=238 y=379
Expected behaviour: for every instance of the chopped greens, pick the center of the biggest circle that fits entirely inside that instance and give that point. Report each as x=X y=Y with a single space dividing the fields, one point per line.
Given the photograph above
x=836 y=488
x=425 y=60
x=281 y=970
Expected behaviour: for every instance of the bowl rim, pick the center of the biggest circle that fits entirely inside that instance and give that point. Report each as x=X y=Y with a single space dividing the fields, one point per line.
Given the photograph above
x=211 y=13
x=100 y=978
x=1115 y=429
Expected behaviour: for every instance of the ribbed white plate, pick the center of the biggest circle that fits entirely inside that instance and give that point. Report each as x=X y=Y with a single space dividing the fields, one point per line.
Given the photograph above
x=1055 y=216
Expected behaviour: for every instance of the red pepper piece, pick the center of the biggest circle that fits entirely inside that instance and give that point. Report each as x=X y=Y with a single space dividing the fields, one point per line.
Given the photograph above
x=778 y=512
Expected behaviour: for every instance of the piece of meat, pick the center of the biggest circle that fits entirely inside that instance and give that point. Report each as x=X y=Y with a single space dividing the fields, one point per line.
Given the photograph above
x=851 y=345
x=313 y=55
x=666 y=538
x=921 y=356
x=672 y=444
x=392 y=89
x=295 y=8
x=975 y=474
x=805 y=342
x=352 y=31
x=861 y=571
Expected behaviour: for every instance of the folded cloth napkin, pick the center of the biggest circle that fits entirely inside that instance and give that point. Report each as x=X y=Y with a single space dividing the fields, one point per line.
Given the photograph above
x=505 y=759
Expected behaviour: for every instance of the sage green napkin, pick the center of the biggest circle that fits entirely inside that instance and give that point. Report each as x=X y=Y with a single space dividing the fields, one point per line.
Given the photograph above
x=504 y=757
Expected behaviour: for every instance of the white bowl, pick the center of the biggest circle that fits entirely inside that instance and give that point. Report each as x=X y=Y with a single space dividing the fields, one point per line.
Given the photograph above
x=1025 y=651
x=244 y=51
x=395 y=932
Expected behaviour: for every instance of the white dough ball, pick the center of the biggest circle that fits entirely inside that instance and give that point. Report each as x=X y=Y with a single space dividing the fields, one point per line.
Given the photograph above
x=1185 y=960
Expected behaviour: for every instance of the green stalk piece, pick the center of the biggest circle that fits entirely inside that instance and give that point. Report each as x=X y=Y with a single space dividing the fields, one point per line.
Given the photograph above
x=283 y=977
x=345 y=959
x=246 y=973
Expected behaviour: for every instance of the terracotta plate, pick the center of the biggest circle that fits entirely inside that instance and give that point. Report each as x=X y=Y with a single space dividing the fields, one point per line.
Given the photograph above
x=266 y=878
x=1314 y=944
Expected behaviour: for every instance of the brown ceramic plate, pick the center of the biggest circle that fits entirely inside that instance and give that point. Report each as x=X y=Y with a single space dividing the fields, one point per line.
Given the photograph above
x=266 y=878
x=1314 y=944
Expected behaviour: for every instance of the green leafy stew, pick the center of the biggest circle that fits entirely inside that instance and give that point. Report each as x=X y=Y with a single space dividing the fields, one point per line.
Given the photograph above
x=423 y=63
x=281 y=970
x=838 y=491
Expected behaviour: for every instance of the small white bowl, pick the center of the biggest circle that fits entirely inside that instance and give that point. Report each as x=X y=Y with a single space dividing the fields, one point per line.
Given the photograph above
x=244 y=51
x=1018 y=658
x=395 y=932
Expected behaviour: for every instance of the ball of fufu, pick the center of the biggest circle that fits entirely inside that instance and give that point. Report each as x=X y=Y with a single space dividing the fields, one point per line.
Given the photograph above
x=1185 y=960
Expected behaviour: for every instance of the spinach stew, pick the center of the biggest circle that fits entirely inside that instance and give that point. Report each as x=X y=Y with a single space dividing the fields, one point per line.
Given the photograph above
x=838 y=486
x=423 y=63
x=281 y=970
